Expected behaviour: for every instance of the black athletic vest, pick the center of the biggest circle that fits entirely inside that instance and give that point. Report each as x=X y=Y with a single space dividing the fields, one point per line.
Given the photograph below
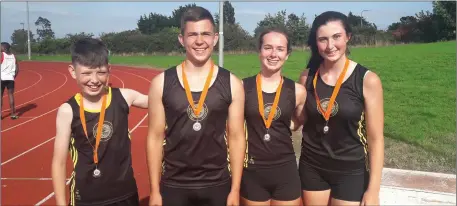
x=117 y=181
x=344 y=148
x=279 y=150
x=196 y=159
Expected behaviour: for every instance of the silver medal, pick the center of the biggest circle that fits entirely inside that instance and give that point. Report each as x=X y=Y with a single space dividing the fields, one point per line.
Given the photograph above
x=326 y=129
x=197 y=126
x=266 y=137
x=97 y=173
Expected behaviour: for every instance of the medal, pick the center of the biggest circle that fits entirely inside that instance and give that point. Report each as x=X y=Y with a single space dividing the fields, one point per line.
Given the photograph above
x=197 y=125
x=327 y=113
x=96 y=172
x=268 y=121
x=266 y=137
x=326 y=129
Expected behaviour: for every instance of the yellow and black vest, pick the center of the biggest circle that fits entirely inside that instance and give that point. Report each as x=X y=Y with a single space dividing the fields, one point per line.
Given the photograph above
x=117 y=181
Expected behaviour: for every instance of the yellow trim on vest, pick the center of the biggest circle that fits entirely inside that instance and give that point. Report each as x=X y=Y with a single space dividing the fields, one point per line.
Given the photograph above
x=108 y=101
x=74 y=157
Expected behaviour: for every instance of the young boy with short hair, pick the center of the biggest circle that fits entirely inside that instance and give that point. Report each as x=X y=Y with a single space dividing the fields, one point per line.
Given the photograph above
x=93 y=126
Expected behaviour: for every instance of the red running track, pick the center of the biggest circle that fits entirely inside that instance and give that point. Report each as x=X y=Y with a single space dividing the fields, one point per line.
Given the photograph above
x=26 y=152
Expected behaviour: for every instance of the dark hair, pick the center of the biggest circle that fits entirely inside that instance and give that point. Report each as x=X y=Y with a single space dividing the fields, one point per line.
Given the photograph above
x=89 y=52
x=196 y=13
x=280 y=30
x=316 y=59
x=7 y=46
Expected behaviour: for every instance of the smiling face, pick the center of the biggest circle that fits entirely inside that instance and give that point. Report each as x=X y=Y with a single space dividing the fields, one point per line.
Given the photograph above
x=332 y=40
x=91 y=81
x=273 y=51
x=198 y=39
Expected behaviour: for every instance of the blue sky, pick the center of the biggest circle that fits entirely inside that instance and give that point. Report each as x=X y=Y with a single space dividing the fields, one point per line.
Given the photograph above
x=98 y=17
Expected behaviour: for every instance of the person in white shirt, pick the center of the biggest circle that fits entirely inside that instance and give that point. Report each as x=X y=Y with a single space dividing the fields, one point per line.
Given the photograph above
x=9 y=72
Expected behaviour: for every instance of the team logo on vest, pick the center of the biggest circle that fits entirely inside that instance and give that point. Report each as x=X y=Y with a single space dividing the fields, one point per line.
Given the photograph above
x=201 y=116
x=107 y=131
x=324 y=104
x=267 y=110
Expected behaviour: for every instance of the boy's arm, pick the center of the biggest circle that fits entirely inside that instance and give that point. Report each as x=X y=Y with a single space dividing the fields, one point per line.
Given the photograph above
x=61 y=144
x=156 y=132
x=236 y=136
x=135 y=98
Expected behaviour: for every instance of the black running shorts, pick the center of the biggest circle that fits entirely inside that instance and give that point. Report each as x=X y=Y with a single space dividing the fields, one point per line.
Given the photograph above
x=131 y=201
x=280 y=183
x=347 y=187
x=195 y=197
x=9 y=84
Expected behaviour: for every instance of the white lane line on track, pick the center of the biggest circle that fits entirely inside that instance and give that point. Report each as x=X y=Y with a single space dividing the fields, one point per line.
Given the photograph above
x=118 y=79
x=10 y=128
x=46 y=112
x=68 y=182
x=151 y=71
x=41 y=77
x=135 y=75
x=66 y=79
x=19 y=155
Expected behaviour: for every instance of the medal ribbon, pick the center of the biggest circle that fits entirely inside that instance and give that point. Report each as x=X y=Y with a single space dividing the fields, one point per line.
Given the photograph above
x=334 y=94
x=204 y=92
x=100 y=125
x=260 y=99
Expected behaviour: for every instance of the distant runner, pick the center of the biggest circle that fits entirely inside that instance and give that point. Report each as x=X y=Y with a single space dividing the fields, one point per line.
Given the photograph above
x=9 y=72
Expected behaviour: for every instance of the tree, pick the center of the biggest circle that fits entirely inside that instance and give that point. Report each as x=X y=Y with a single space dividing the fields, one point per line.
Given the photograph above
x=302 y=31
x=44 y=30
x=354 y=21
x=237 y=39
x=19 y=40
x=296 y=27
x=278 y=20
x=292 y=28
x=393 y=26
x=216 y=19
x=446 y=9
x=406 y=30
x=445 y=15
x=229 y=13
x=427 y=26
x=153 y=23
x=177 y=13
x=77 y=36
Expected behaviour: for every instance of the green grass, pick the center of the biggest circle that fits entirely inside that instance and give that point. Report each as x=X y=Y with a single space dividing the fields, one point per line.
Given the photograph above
x=419 y=82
